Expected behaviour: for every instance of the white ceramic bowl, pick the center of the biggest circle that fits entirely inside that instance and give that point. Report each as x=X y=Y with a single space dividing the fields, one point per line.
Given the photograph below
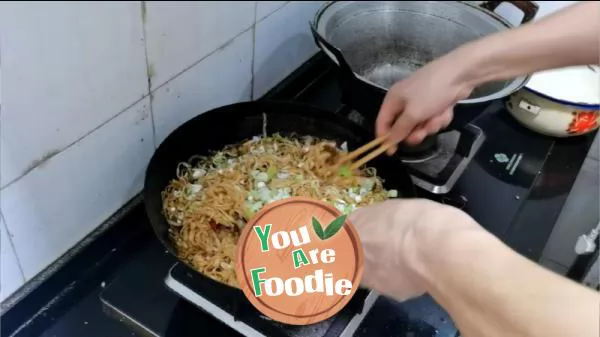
x=560 y=103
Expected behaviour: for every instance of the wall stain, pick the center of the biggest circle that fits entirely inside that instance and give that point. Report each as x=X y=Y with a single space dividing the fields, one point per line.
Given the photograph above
x=150 y=73
x=40 y=162
x=144 y=16
x=142 y=115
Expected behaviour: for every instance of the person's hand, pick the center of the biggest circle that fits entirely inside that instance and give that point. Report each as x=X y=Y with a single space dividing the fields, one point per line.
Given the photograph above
x=393 y=234
x=422 y=104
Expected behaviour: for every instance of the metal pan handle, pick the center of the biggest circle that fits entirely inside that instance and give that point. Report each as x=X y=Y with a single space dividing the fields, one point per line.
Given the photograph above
x=529 y=8
x=328 y=48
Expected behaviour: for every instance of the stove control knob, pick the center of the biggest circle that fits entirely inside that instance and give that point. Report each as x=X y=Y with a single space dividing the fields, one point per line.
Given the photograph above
x=584 y=245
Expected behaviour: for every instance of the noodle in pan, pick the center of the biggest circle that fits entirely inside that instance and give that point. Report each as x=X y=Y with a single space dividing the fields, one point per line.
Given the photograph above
x=213 y=197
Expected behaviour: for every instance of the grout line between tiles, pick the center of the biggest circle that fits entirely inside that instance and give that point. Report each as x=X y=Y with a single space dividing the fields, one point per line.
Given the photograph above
x=149 y=71
x=66 y=147
x=12 y=246
x=253 y=52
x=219 y=48
x=150 y=93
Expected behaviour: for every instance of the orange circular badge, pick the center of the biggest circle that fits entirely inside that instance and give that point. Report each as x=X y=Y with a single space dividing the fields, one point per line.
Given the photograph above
x=299 y=261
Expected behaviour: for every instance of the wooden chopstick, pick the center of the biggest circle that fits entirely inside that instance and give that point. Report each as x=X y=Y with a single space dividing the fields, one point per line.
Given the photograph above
x=370 y=156
x=362 y=149
x=356 y=153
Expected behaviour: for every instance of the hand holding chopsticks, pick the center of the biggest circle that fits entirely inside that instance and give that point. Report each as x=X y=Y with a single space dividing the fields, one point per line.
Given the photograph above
x=383 y=146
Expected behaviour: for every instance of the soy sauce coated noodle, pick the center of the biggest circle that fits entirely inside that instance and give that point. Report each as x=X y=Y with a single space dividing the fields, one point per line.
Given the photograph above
x=213 y=197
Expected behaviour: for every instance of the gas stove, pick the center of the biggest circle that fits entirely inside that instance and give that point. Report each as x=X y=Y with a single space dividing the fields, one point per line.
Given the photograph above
x=488 y=168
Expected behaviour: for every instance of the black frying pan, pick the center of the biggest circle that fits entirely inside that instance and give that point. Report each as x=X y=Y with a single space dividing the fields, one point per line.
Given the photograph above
x=213 y=130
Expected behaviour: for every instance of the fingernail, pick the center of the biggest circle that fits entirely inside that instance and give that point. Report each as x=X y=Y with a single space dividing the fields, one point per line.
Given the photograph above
x=392 y=150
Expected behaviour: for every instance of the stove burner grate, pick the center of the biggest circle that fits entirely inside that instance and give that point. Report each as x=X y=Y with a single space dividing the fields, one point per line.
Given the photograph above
x=436 y=165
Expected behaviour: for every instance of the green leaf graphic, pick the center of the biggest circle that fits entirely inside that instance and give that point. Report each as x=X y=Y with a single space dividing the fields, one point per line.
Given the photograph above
x=334 y=226
x=318 y=229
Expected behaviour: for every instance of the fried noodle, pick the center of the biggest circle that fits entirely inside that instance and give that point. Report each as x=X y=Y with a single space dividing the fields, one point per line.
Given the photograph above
x=213 y=197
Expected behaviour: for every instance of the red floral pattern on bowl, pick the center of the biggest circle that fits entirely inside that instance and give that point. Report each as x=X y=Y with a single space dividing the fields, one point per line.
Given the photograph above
x=583 y=121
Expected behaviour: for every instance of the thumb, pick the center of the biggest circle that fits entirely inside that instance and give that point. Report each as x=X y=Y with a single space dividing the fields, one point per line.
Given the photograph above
x=403 y=126
x=390 y=109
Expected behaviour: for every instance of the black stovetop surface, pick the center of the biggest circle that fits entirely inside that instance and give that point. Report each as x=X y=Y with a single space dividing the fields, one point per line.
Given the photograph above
x=519 y=205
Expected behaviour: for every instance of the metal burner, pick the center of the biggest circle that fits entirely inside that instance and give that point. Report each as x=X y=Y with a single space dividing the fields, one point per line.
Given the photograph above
x=252 y=323
x=437 y=168
x=456 y=149
x=422 y=156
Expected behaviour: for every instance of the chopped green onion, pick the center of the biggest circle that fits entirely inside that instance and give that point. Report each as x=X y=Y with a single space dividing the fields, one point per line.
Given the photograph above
x=248 y=213
x=265 y=194
x=197 y=173
x=283 y=175
x=219 y=159
x=195 y=188
x=392 y=193
x=345 y=171
x=254 y=194
x=349 y=209
x=367 y=184
x=271 y=172
x=250 y=208
x=261 y=176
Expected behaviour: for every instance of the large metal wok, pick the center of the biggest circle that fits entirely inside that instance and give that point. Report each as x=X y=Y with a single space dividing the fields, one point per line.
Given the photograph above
x=235 y=123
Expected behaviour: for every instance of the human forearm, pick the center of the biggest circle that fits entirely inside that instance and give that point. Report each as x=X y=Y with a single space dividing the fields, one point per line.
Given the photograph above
x=423 y=104
x=489 y=290
x=569 y=37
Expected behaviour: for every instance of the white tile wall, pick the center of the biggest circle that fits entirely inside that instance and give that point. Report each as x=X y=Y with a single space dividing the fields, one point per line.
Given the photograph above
x=59 y=202
x=179 y=34
x=11 y=276
x=224 y=77
x=67 y=67
x=282 y=43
